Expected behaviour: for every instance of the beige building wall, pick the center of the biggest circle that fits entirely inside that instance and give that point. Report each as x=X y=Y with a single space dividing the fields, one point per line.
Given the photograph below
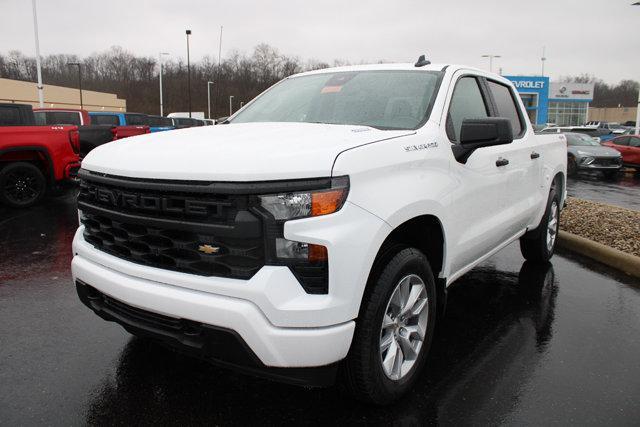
x=59 y=97
x=620 y=115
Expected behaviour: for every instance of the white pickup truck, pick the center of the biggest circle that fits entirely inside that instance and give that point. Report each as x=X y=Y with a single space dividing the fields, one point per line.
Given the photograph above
x=317 y=232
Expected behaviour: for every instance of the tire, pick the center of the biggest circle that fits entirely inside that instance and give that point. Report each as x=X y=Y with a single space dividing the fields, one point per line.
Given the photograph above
x=366 y=377
x=538 y=245
x=21 y=185
x=572 y=166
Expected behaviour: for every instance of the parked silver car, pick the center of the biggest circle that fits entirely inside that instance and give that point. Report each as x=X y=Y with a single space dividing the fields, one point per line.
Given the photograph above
x=586 y=154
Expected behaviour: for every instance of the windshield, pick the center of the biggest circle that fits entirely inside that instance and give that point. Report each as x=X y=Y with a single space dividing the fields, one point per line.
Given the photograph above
x=578 y=139
x=380 y=99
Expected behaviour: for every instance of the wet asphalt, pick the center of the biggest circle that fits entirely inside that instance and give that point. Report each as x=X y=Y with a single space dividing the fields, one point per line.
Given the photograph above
x=623 y=191
x=520 y=344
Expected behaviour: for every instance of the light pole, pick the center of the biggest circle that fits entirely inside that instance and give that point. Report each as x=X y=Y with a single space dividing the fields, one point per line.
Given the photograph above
x=216 y=95
x=38 y=64
x=544 y=58
x=638 y=106
x=491 y=61
x=77 y=64
x=209 y=97
x=160 y=62
x=230 y=105
x=189 y=72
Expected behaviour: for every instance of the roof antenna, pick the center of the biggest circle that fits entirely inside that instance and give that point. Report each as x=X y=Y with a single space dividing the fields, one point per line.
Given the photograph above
x=422 y=61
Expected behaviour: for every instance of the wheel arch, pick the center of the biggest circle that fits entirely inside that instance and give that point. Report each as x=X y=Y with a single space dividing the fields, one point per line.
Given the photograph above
x=21 y=154
x=424 y=232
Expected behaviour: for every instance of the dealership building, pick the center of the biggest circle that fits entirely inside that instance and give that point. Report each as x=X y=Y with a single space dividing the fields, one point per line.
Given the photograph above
x=20 y=92
x=564 y=104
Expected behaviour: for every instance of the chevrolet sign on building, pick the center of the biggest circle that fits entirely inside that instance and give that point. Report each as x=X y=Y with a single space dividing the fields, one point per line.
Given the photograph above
x=564 y=104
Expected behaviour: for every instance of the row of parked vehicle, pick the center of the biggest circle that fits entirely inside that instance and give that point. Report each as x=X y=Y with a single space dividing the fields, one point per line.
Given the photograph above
x=599 y=146
x=41 y=149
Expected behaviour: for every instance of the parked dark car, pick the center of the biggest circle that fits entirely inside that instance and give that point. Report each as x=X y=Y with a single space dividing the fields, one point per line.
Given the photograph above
x=585 y=154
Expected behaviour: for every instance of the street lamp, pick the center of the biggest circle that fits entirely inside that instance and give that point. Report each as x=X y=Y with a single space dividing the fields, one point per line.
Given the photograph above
x=209 y=97
x=491 y=61
x=230 y=105
x=77 y=64
x=160 y=61
x=189 y=71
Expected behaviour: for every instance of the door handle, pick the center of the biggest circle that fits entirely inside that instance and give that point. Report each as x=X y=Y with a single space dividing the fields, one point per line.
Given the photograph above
x=535 y=155
x=502 y=162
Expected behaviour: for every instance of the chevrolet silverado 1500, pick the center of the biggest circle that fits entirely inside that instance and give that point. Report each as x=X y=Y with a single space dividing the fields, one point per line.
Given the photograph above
x=317 y=232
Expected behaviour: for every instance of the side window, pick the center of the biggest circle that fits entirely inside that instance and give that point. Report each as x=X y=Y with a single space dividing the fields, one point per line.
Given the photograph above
x=506 y=105
x=104 y=119
x=9 y=116
x=466 y=103
x=622 y=141
x=635 y=142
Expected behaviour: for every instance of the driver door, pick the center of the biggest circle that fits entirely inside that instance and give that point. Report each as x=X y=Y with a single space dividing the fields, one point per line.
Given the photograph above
x=479 y=216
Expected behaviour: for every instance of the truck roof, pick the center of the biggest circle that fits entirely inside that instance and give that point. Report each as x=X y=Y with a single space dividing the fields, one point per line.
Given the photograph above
x=389 y=67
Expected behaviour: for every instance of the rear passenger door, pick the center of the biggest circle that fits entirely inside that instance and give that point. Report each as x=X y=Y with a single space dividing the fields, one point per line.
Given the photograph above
x=524 y=171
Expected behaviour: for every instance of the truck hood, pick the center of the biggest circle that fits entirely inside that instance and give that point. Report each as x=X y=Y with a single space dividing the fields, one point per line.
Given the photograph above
x=234 y=152
x=595 y=150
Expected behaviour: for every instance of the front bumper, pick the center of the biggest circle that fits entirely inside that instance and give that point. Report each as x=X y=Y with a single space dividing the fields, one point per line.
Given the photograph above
x=218 y=345
x=273 y=346
x=600 y=164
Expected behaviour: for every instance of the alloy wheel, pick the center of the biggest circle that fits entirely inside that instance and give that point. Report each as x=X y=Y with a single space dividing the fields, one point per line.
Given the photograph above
x=404 y=327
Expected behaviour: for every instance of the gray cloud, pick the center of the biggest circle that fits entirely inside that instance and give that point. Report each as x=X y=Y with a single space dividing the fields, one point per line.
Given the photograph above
x=587 y=36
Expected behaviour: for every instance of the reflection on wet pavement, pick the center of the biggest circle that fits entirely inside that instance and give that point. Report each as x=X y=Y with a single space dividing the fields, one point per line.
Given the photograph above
x=519 y=344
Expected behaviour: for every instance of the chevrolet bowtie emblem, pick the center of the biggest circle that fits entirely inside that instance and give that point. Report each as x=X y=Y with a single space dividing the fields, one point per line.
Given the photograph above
x=208 y=249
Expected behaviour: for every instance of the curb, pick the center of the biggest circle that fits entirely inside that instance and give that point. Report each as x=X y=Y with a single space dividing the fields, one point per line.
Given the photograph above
x=623 y=261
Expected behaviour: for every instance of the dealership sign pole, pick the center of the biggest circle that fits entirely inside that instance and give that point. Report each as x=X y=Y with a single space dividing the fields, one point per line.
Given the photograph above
x=38 y=65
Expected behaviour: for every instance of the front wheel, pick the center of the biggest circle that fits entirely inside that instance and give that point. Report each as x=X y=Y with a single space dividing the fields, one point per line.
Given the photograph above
x=538 y=245
x=21 y=185
x=394 y=330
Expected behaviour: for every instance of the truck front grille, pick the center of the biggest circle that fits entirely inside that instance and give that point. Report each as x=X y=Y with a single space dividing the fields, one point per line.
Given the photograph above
x=186 y=228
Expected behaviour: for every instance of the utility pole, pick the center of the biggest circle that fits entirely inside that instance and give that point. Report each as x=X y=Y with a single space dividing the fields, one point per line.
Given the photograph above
x=160 y=61
x=38 y=64
x=491 y=61
x=638 y=114
x=77 y=64
x=189 y=72
x=209 y=98
x=544 y=58
x=230 y=105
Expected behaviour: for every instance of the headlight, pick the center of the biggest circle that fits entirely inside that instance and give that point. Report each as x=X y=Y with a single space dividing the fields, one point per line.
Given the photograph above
x=303 y=204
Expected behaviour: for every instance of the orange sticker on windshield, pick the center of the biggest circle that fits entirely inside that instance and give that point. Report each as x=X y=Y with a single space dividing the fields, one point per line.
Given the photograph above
x=331 y=89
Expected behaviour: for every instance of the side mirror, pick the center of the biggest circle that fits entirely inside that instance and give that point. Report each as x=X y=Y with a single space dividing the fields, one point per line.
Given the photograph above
x=478 y=133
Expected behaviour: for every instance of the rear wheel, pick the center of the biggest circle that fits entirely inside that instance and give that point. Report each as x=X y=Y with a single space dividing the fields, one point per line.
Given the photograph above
x=538 y=245
x=21 y=185
x=394 y=329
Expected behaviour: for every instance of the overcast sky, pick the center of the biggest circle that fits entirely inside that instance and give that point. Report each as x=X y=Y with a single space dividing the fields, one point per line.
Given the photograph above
x=599 y=37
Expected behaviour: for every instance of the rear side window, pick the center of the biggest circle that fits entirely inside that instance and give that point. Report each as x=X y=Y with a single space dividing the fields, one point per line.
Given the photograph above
x=622 y=141
x=135 y=119
x=506 y=104
x=9 y=116
x=466 y=103
x=634 y=141
x=104 y=119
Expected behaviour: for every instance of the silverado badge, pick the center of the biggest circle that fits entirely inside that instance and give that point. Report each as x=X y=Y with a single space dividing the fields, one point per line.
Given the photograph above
x=208 y=249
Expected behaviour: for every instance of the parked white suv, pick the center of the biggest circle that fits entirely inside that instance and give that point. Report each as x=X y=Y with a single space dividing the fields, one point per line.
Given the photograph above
x=321 y=227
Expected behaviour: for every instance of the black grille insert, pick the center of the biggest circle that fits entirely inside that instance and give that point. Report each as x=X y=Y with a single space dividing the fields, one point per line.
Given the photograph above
x=204 y=234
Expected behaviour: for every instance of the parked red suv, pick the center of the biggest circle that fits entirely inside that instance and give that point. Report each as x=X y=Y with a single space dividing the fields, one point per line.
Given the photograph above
x=629 y=146
x=34 y=159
